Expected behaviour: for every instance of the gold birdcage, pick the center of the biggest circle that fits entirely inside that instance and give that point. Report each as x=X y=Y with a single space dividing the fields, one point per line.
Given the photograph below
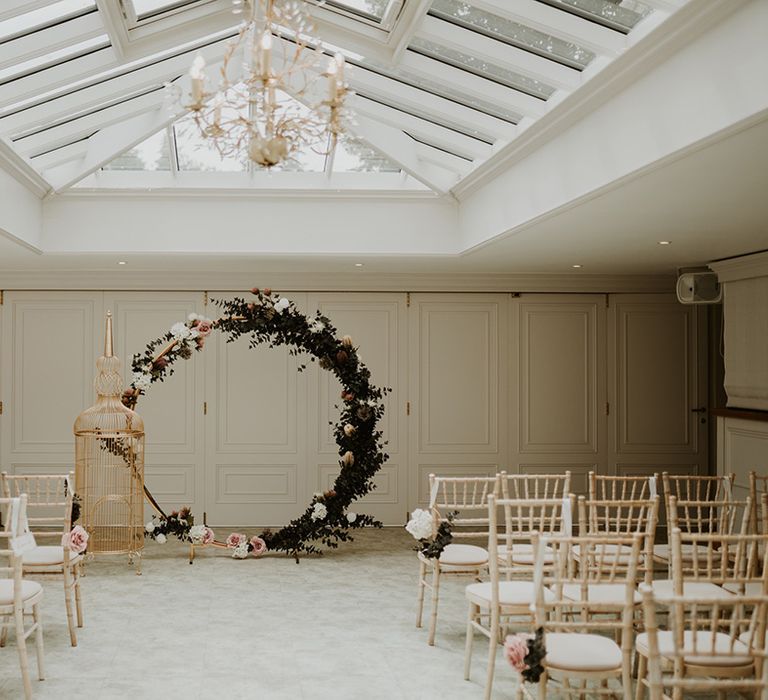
x=109 y=464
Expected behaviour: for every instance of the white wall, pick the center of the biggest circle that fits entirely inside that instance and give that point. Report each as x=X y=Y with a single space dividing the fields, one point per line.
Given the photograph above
x=20 y=212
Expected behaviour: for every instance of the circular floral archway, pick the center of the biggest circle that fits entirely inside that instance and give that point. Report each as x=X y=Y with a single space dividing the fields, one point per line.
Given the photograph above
x=272 y=319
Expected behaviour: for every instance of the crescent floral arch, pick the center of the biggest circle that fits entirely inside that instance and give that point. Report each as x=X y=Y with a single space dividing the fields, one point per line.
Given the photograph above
x=272 y=319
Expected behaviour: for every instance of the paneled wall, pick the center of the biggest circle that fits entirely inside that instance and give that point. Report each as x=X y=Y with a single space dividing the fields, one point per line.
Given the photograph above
x=481 y=382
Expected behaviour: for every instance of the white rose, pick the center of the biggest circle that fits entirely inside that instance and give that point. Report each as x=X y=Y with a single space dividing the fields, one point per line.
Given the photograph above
x=319 y=511
x=196 y=533
x=150 y=526
x=351 y=517
x=192 y=317
x=317 y=327
x=420 y=524
x=241 y=551
x=161 y=538
x=179 y=331
x=282 y=304
x=193 y=333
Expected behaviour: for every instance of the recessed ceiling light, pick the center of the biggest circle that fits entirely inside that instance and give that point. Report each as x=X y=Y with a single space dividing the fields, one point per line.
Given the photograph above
x=664 y=242
x=122 y=262
x=576 y=266
x=358 y=264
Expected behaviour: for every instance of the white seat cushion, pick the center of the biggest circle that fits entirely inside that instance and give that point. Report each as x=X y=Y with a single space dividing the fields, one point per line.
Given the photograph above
x=744 y=637
x=29 y=590
x=719 y=654
x=665 y=588
x=600 y=592
x=661 y=551
x=751 y=588
x=581 y=652
x=47 y=556
x=463 y=556
x=511 y=593
x=522 y=553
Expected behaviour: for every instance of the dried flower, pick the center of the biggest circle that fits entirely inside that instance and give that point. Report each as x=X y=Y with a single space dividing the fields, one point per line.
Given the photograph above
x=351 y=517
x=420 y=524
x=330 y=493
x=160 y=363
x=161 y=538
x=319 y=511
x=282 y=304
x=326 y=362
x=185 y=352
x=241 y=550
x=516 y=649
x=254 y=290
x=235 y=539
x=341 y=357
x=347 y=395
x=348 y=459
x=150 y=526
x=349 y=430
x=268 y=291
x=258 y=546
x=346 y=341
x=364 y=413
x=76 y=540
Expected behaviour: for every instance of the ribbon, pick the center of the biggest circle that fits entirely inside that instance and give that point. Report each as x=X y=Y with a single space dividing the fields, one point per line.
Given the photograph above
x=652 y=486
x=433 y=493
x=538 y=569
x=567 y=524
x=22 y=540
x=727 y=487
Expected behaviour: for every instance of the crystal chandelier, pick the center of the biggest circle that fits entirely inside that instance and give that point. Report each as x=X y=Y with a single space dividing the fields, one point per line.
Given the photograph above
x=272 y=97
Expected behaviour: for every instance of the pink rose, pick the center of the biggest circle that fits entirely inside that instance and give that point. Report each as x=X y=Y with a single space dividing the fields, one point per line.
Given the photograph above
x=76 y=540
x=208 y=536
x=235 y=539
x=204 y=328
x=516 y=649
x=258 y=546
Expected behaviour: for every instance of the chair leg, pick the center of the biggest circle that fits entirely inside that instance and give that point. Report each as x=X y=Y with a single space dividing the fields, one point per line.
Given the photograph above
x=68 y=605
x=470 y=640
x=4 y=630
x=542 y=686
x=39 y=642
x=420 y=604
x=492 y=646
x=78 y=600
x=21 y=643
x=435 y=599
x=642 y=669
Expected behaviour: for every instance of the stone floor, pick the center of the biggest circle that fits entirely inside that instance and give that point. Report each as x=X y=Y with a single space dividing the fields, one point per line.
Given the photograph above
x=340 y=627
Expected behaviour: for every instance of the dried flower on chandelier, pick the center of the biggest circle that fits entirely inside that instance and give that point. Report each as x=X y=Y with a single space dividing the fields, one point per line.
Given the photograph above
x=273 y=97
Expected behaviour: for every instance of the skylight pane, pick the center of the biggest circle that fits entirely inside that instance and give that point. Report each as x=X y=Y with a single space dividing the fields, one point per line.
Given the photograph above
x=465 y=15
x=52 y=58
x=443 y=90
x=622 y=15
x=43 y=17
x=152 y=154
x=373 y=9
x=354 y=156
x=148 y=8
x=195 y=153
x=482 y=68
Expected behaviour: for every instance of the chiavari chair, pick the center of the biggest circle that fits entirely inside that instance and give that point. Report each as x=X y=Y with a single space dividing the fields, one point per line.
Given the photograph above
x=622 y=488
x=535 y=486
x=758 y=488
x=468 y=497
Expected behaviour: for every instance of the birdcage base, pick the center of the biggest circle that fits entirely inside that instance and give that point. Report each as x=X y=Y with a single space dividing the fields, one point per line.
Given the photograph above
x=109 y=539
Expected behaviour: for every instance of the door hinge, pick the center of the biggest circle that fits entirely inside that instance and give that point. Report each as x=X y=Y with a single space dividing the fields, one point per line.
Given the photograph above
x=1 y=297
x=607 y=409
x=607 y=300
x=1 y=408
x=407 y=300
x=407 y=408
x=205 y=298
x=205 y=408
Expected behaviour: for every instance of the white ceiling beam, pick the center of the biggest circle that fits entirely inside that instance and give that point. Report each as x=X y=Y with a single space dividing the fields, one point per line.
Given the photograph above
x=665 y=5
x=407 y=26
x=57 y=156
x=444 y=160
x=563 y=25
x=402 y=150
x=397 y=93
x=51 y=39
x=110 y=89
x=12 y=8
x=56 y=76
x=73 y=129
x=434 y=133
x=497 y=52
x=469 y=82
x=21 y=169
x=112 y=17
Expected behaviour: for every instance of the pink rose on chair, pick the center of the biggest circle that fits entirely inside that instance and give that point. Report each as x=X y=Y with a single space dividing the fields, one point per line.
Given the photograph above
x=208 y=536
x=258 y=546
x=515 y=650
x=235 y=539
x=76 y=540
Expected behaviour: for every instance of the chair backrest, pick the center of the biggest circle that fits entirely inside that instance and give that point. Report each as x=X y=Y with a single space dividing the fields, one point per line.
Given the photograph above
x=10 y=557
x=536 y=486
x=722 y=559
x=697 y=488
x=703 y=628
x=49 y=500
x=622 y=488
x=465 y=496
x=606 y=518
x=758 y=490
x=724 y=516
x=562 y=591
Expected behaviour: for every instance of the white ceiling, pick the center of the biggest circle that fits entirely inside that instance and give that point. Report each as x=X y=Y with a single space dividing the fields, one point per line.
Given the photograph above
x=710 y=203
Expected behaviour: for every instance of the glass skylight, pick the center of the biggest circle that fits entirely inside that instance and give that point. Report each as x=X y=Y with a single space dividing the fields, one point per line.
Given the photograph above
x=369 y=8
x=621 y=15
x=53 y=58
x=149 y=8
x=195 y=153
x=43 y=17
x=152 y=154
x=354 y=156
x=482 y=68
x=465 y=15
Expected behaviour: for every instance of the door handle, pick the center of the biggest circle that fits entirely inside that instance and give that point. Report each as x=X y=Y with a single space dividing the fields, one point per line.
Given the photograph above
x=699 y=410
